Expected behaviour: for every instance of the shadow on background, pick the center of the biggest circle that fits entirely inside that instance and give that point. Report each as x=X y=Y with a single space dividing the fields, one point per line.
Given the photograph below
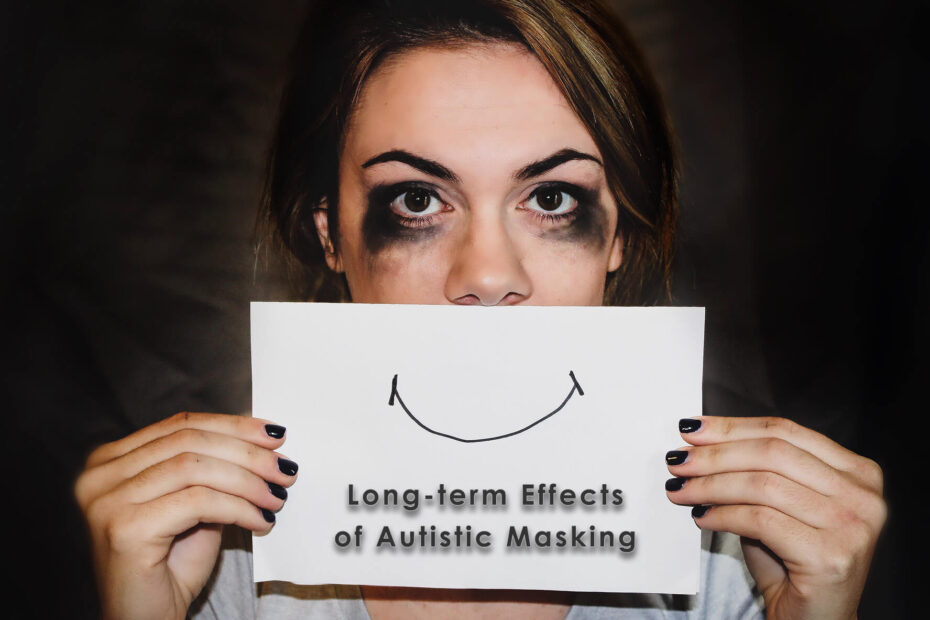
x=134 y=149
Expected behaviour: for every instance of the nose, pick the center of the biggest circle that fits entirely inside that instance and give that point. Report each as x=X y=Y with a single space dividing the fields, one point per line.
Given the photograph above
x=487 y=269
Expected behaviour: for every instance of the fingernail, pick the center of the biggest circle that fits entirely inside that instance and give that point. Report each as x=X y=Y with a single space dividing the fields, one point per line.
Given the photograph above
x=688 y=425
x=275 y=431
x=676 y=457
x=287 y=467
x=277 y=490
x=675 y=484
x=699 y=511
x=267 y=514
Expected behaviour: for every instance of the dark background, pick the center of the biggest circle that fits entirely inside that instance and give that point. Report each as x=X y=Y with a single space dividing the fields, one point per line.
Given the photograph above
x=134 y=137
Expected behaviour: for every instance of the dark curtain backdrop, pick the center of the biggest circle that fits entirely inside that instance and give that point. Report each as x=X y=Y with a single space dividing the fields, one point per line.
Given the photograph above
x=133 y=150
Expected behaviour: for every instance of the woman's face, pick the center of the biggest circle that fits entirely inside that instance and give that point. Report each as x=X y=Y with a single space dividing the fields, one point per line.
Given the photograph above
x=466 y=178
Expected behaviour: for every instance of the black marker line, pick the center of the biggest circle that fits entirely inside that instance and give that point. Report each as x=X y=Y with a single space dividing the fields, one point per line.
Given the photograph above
x=395 y=394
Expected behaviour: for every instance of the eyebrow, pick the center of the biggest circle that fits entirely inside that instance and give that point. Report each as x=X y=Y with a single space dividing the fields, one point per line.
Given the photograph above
x=436 y=169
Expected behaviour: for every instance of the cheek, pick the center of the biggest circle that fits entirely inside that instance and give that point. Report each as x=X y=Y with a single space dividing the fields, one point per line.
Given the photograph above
x=570 y=267
x=567 y=274
x=564 y=269
x=399 y=274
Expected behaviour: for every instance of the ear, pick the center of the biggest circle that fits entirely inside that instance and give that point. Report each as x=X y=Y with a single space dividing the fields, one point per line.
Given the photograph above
x=616 y=253
x=321 y=221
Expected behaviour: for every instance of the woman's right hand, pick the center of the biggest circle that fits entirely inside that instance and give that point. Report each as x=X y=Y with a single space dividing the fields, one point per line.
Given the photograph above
x=155 y=502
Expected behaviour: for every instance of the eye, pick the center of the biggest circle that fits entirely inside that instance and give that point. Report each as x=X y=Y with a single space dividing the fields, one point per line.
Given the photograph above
x=551 y=200
x=416 y=202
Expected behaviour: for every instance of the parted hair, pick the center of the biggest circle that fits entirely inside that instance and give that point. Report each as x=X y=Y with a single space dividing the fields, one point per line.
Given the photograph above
x=585 y=48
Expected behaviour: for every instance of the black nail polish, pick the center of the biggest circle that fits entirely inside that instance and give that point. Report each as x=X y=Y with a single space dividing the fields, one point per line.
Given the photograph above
x=676 y=457
x=675 y=484
x=277 y=490
x=699 y=511
x=287 y=467
x=275 y=431
x=267 y=514
x=688 y=425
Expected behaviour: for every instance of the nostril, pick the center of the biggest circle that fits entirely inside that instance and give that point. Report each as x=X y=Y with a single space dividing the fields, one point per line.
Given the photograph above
x=511 y=299
x=467 y=300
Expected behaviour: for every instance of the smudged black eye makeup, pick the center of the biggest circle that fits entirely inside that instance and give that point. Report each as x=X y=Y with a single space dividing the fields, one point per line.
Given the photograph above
x=407 y=211
x=568 y=212
x=413 y=211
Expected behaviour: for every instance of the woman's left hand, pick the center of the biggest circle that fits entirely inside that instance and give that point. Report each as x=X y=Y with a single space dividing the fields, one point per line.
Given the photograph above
x=809 y=510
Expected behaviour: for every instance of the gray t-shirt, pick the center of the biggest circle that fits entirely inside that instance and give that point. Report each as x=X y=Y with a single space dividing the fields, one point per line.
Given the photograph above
x=727 y=591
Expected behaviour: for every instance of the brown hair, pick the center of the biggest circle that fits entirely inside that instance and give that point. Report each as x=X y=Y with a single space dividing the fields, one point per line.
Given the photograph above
x=585 y=48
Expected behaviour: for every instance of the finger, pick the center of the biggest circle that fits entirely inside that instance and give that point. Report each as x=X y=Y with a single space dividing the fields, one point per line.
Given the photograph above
x=769 y=454
x=716 y=429
x=795 y=543
x=263 y=462
x=761 y=488
x=190 y=469
x=254 y=430
x=184 y=509
x=136 y=527
x=764 y=566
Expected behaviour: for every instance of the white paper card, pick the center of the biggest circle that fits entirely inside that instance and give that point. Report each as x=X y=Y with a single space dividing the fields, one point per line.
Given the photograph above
x=518 y=447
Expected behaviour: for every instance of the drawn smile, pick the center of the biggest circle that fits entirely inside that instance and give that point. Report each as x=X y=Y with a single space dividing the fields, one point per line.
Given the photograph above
x=576 y=387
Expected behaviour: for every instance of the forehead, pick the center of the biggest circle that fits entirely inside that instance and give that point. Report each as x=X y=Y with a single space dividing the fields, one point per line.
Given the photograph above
x=470 y=107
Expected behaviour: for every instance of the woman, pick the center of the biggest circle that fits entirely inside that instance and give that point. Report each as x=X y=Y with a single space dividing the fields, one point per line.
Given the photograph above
x=497 y=152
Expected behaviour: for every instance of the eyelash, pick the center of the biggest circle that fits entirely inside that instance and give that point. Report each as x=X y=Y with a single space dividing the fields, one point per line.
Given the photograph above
x=385 y=195
x=381 y=197
x=584 y=198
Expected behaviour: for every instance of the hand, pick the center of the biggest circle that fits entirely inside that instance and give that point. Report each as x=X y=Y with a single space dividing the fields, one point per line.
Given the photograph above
x=154 y=502
x=809 y=510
